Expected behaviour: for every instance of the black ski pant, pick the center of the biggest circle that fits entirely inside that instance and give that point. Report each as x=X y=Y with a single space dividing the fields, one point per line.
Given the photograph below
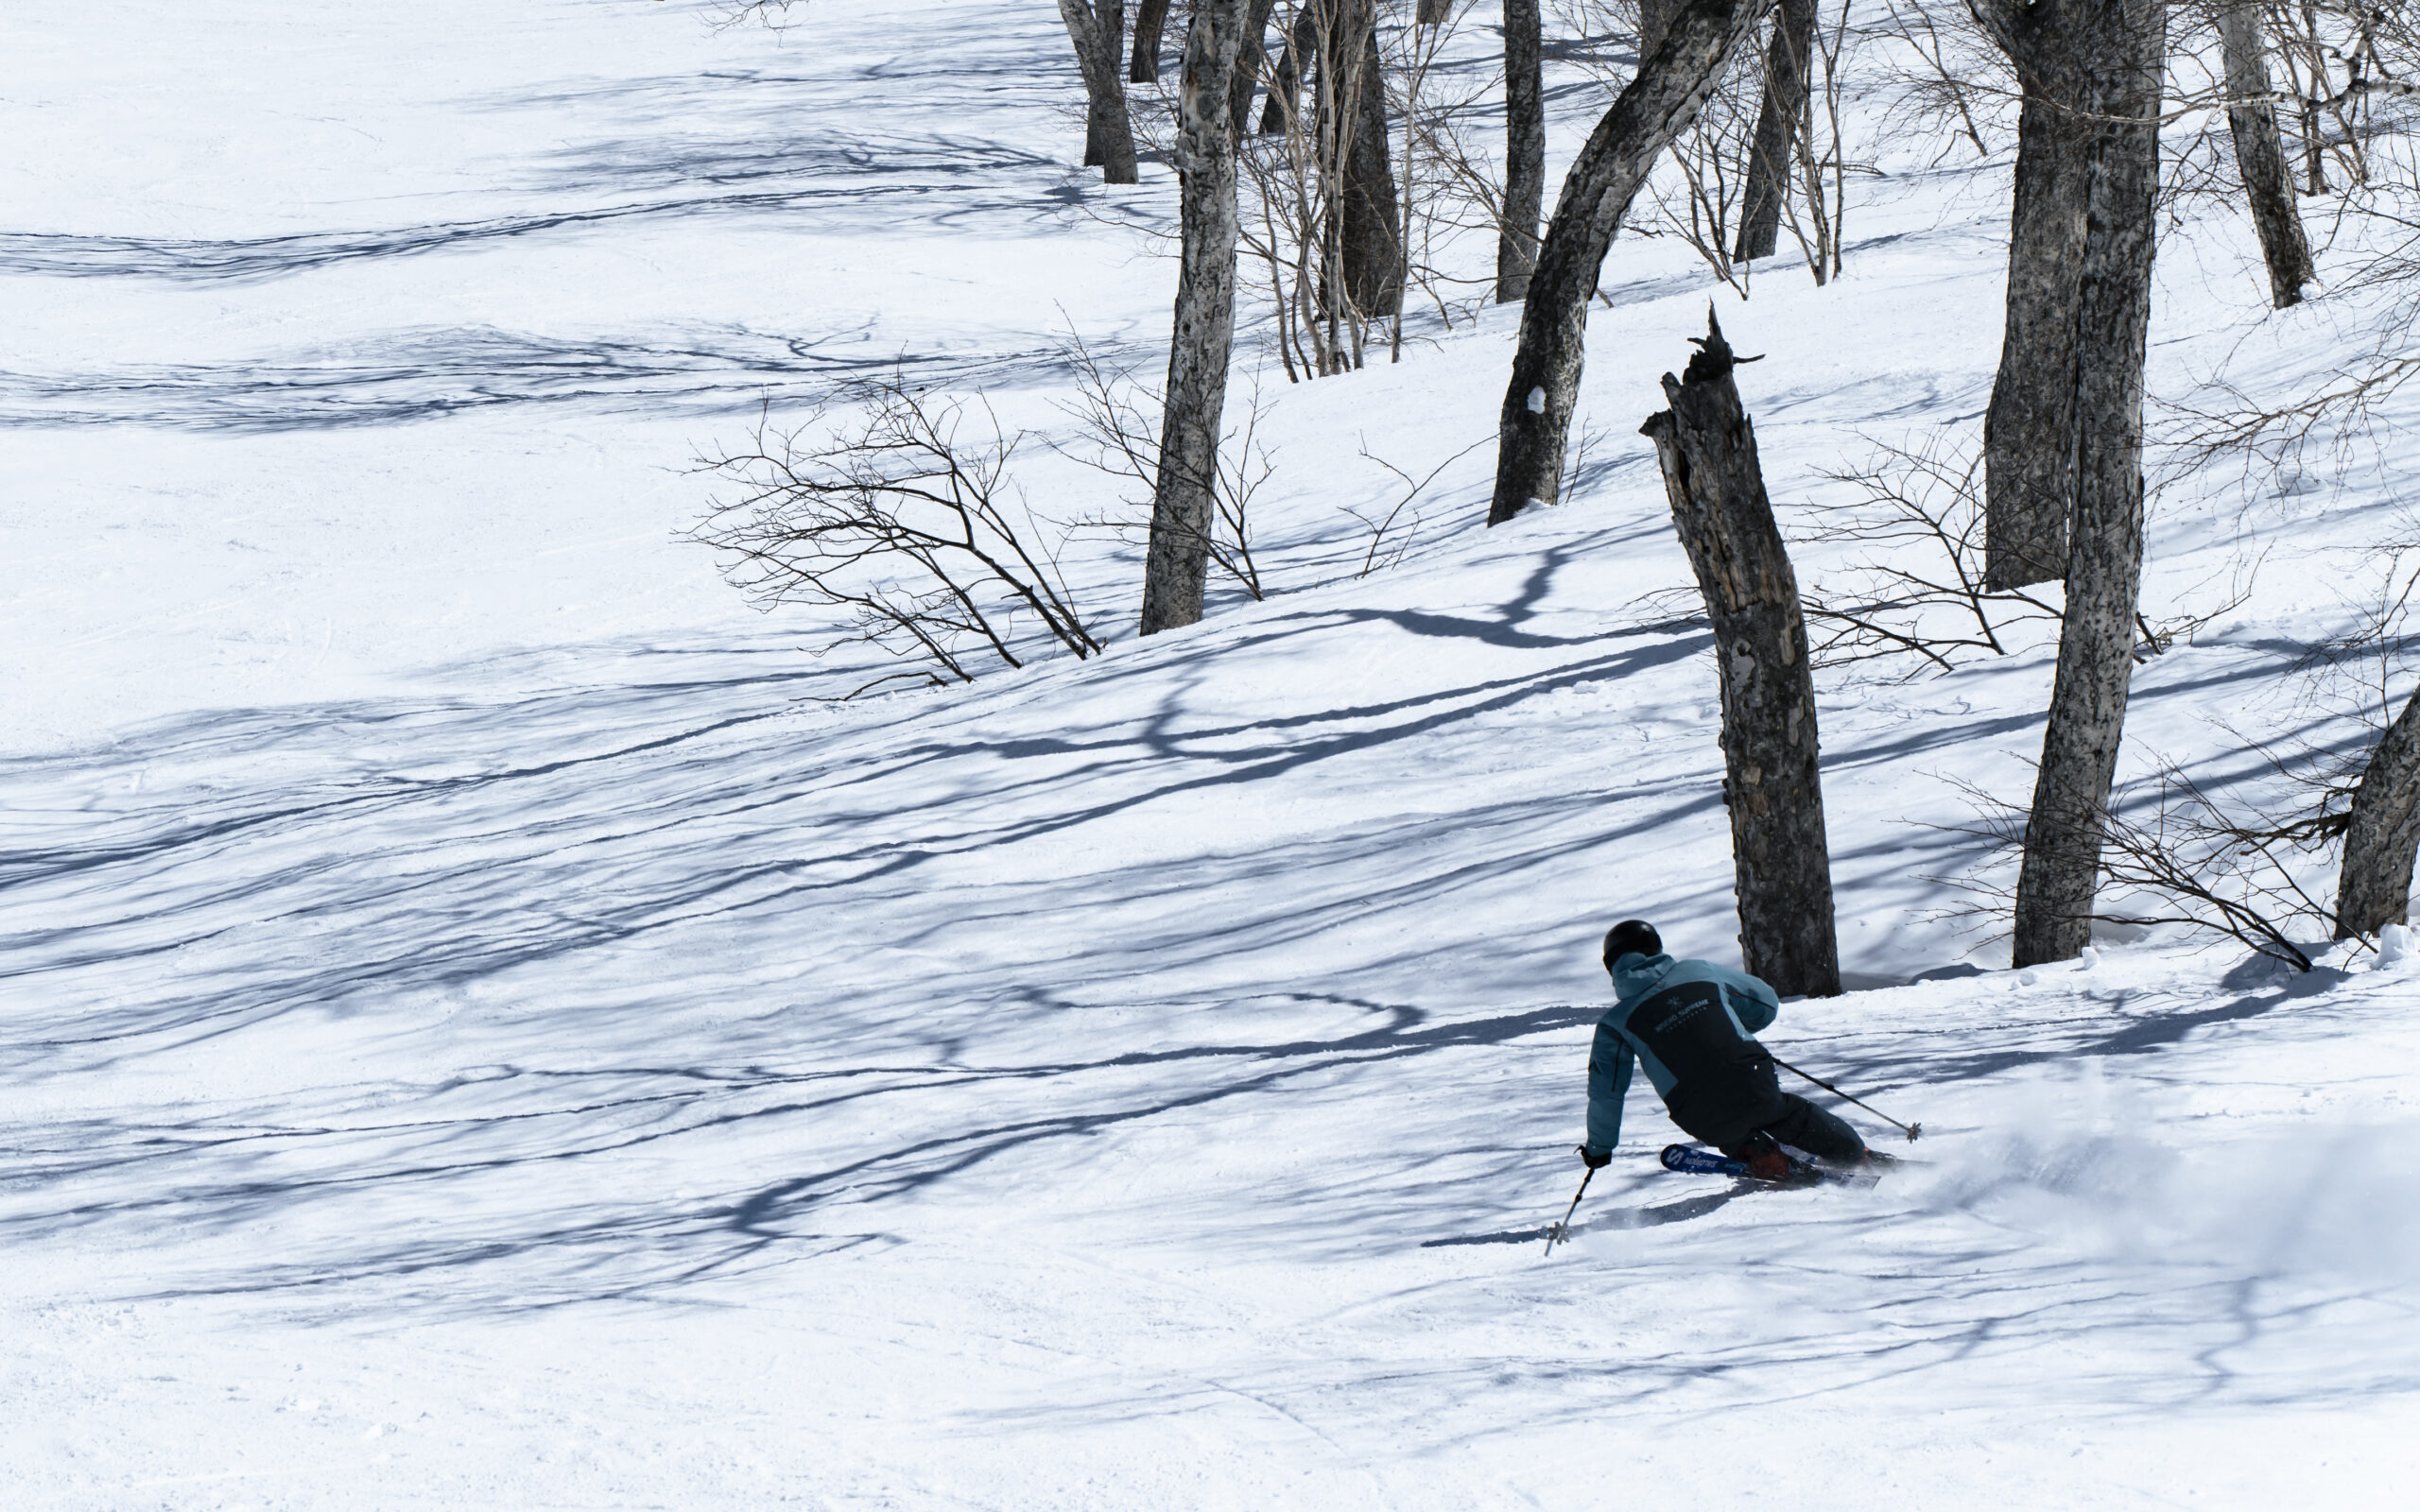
x=1740 y=1125
x=1803 y=1126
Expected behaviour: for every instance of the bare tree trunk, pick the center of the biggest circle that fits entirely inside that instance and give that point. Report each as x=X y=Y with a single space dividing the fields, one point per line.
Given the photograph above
x=2314 y=148
x=1671 y=86
x=1781 y=857
x=2028 y=433
x=1150 y=24
x=1525 y=152
x=1372 y=252
x=1435 y=13
x=1654 y=21
x=2124 y=49
x=1788 y=71
x=2314 y=158
x=1182 y=504
x=1295 y=56
x=2374 y=888
x=1095 y=27
x=2260 y=152
x=1251 y=61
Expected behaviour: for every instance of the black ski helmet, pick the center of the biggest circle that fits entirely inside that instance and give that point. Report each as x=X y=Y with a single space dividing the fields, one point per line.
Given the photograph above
x=1631 y=935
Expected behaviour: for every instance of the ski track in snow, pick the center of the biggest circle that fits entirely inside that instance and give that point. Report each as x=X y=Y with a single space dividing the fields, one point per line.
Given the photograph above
x=481 y=1034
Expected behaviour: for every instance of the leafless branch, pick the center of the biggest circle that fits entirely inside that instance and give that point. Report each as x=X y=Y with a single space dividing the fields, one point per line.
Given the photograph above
x=911 y=533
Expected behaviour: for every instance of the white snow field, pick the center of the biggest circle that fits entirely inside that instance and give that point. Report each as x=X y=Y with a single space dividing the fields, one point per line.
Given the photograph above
x=480 y=1034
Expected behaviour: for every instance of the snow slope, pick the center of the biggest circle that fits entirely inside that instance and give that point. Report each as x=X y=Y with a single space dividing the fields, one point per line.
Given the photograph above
x=479 y=1036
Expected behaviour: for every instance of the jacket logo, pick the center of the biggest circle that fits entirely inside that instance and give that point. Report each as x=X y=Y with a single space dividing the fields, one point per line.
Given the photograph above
x=1681 y=1016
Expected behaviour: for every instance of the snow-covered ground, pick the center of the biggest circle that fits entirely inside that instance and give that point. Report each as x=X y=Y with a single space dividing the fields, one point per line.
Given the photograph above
x=479 y=1035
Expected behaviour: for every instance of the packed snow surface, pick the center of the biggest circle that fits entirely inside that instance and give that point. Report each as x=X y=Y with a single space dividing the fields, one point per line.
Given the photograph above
x=481 y=1033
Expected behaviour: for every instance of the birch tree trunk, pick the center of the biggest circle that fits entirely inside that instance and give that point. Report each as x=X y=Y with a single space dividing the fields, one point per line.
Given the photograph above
x=2124 y=45
x=1654 y=21
x=1525 y=152
x=1671 y=86
x=1781 y=857
x=1150 y=26
x=2374 y=889
x=1788 y=71
x=1182 y=505
x=1095 y=27
x=2260 y=152
x=2028 y=433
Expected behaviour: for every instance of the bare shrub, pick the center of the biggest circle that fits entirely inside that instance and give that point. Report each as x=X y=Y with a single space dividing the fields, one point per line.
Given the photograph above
x=1452 y=170
x=1117 y=432
x=1817 y=213
x=2173 y=853
x=1329 y=82
x=910 y=529
x=1917 y=591
x=1390 y=533
x=773 y=15
x=1940 y=77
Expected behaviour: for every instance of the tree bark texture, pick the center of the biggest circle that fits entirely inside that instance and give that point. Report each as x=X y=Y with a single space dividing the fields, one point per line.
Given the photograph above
x=1525 y=151
x=1671 y=87
x=1370 y=240
x=2374 y=889
x=1096 y=26
x=2126 y=42
x=1435 y=13
x=1780 y=854
x=1788 y=75
x=1182 y=505
x=1150 y=26
x=1654 y=22
x=2260 y=152
x=2029 y=432
x=1251 y=61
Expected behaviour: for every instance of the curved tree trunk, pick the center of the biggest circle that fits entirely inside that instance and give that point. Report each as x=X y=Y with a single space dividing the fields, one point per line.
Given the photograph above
x=1525 y=152
x=1671 y=86
x=2260 y=153
x=1781 y=857
x=1789 y=73
x=1182 y=505
x=2374 y=889
x=2125 y=41
x=1108 y=135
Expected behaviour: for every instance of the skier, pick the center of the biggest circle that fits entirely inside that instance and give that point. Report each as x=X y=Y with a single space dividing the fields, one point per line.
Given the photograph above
x=1691 y=1022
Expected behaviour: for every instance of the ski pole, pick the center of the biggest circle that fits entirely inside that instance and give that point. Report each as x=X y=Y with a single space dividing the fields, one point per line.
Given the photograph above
x=1914 y=1130
x=1560 y=1229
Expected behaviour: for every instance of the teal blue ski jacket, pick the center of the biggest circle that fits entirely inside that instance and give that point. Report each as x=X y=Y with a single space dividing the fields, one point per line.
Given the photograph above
x=1750 y=1003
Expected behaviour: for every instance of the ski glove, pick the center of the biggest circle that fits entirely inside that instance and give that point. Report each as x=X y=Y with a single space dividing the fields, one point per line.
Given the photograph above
x=1595 y=1159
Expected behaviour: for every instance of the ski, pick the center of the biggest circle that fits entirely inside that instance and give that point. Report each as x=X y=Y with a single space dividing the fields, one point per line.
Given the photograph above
x=1692 y=1160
